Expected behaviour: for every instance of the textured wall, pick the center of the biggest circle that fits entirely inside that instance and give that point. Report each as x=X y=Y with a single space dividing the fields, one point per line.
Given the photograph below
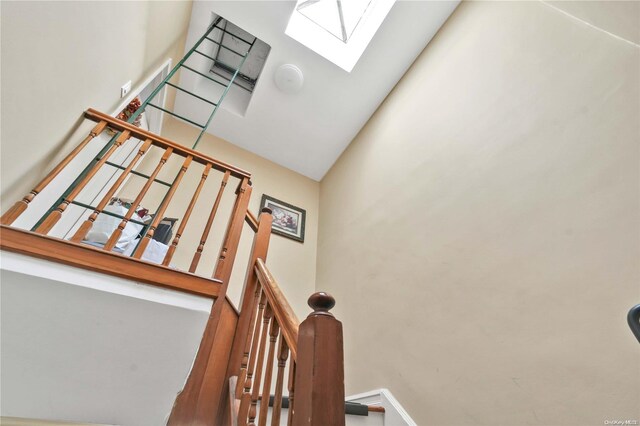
x=481 y=234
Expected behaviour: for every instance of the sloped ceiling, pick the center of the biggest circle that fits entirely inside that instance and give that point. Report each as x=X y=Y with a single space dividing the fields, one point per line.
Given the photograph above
x=307 y=131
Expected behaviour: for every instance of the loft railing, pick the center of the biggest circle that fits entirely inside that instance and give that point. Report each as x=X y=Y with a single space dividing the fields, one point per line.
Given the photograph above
x=234 y=343
x=168 y=151
x=120 y=134
x=265 y=332
x=269 y=335
x=315 y=381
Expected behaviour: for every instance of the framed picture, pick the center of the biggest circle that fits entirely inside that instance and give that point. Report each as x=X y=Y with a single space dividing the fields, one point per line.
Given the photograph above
x=288 y=220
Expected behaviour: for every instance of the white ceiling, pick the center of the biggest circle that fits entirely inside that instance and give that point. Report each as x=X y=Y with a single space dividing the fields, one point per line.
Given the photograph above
x=307 y=131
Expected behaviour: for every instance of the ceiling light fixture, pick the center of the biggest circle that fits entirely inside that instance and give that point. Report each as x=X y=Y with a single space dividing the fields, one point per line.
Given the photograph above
x=289 y=78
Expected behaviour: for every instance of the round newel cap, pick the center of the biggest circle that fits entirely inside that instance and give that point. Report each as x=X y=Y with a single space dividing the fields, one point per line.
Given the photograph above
x=321 y=302
x=266 y=210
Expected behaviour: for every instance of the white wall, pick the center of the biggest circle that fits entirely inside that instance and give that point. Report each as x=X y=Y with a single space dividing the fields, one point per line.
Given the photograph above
x=80 y=346
x=480 y=235
x=58 y=59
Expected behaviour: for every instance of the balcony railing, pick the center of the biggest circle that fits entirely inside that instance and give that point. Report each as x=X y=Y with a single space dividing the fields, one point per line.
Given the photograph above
x=244 y=344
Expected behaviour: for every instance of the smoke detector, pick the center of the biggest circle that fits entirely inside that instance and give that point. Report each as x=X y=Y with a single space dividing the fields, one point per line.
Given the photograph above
x=289 y=78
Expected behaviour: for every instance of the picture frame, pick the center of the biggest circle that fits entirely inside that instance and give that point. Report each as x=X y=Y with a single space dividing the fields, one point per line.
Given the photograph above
x=288 y=220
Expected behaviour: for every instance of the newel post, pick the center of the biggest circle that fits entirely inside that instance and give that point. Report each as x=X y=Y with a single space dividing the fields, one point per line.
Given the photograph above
x=319 y=379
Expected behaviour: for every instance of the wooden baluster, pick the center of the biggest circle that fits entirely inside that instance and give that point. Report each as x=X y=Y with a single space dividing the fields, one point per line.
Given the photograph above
x=283 y=354
x=187 y=215
x=86 y=226
x=229 y=249
x=255 y=388
x=268 y=370
x=115 y=236
x=55 y=215
x=163 y=207
x=245 y=400
x=244 y=330
x=207 y=228
x=319 y=375
x=19 y=207
x=247 y=348
x=291 y=387
x=203 y=399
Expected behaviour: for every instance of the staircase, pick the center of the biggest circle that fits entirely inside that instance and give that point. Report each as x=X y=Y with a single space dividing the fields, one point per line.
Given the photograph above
x=235 y=344
x=245 y=355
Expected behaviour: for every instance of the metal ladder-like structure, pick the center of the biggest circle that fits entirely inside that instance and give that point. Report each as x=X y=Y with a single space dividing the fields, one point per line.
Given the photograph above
x=219 y=24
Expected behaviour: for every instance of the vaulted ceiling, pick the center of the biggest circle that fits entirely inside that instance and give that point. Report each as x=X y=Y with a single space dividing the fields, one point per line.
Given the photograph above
x=307 y=131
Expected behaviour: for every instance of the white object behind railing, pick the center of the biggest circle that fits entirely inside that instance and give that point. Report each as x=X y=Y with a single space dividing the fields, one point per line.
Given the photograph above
x=394 y=415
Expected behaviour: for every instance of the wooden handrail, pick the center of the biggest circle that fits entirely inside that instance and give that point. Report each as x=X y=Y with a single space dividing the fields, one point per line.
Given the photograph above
x=94 y=259
x=252 y=221
x=282 y=310
x=319 y=376
x=84 y=229
x=87 y=177
x=142 y=134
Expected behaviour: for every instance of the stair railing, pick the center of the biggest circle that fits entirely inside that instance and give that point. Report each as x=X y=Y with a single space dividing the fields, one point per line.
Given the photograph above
x=146 y=142
x=119 y=138
x=267 y=331
x=270 y=335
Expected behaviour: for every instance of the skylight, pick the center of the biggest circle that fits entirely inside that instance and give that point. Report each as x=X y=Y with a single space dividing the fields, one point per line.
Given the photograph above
x=338 y=30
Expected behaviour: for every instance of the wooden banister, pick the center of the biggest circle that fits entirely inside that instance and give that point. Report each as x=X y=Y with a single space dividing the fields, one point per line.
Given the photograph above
x=205 y=233
x=292 y=390
x=313 y=349
x=115 y=236
x=316 y=365
x=266 y=388
x=95 y=259
x=187 y=215
x=203 y=395
x=86 y=226
x=319 y=376
x=283 y=356
x=252 y=221
x=14 y=212
x=245 y=343
x=55 y=215
x=142 y=246
x=142 y=134
x=267 y=316
x=282 y=310
x=250 y=297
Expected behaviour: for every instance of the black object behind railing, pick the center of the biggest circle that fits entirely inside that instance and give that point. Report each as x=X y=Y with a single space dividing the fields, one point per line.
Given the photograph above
x=633 y=318
x=352 y=408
